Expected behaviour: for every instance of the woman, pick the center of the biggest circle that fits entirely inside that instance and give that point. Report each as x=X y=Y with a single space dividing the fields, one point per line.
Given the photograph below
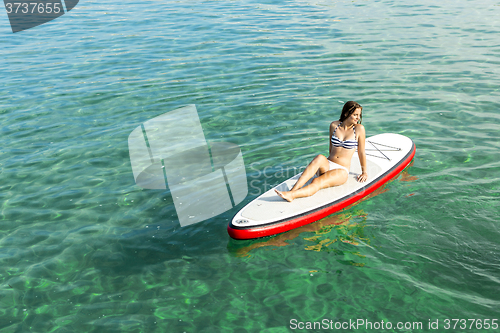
x=334 y=170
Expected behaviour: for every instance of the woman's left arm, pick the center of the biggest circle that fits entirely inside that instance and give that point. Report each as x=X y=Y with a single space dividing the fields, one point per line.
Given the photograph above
x=360 y=129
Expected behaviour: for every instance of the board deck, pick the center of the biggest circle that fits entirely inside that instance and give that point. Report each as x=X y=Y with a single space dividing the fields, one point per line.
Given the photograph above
x=386 y=156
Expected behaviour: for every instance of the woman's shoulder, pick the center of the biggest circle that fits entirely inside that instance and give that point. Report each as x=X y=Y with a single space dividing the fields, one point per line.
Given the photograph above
x=335 y=123
x=359 y=127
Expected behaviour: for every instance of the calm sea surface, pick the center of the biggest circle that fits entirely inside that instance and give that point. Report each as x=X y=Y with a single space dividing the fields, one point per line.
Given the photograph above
x=84 y=249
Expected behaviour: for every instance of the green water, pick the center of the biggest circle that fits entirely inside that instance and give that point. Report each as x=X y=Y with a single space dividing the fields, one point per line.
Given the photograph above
x=84 y=249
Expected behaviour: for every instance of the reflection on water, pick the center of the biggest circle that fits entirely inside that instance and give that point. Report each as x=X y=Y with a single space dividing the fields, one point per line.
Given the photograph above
x=350 y=231
x=345 y=227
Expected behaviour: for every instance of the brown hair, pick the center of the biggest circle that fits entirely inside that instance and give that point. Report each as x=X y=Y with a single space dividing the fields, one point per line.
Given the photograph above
x=349 y=109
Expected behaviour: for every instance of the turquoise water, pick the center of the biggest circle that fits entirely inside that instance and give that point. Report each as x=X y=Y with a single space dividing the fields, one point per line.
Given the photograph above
x=83 y=249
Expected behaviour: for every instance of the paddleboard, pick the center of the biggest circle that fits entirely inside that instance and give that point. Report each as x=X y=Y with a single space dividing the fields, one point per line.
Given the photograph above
x=386 y=156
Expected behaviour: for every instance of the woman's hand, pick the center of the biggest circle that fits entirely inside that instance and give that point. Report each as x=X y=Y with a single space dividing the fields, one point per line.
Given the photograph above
x=363 y=177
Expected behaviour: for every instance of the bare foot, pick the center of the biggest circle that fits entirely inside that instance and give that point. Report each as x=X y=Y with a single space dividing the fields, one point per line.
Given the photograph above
x=285 y=195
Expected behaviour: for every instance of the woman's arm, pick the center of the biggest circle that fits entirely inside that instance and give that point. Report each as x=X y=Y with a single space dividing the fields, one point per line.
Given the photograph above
x=332 y=128
x=360 y=129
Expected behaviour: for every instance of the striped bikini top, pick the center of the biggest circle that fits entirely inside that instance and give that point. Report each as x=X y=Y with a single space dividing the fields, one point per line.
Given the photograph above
x=347 y=144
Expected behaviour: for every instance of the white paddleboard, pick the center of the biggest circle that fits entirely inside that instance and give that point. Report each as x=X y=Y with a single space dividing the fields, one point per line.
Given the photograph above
x=386 y=156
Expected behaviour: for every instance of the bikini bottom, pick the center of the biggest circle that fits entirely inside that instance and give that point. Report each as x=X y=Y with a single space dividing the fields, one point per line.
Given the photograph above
x=334 y=166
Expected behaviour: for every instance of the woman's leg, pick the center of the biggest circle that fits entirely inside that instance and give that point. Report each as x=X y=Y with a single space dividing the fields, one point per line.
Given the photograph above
x=331 y=178
x=328 y=178
x=320 y=163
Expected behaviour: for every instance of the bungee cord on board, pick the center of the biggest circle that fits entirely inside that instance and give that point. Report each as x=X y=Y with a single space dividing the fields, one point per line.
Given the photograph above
x=380 y=150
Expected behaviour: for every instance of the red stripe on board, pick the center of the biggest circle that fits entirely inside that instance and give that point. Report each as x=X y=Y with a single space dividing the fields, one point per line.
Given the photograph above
x=277 y=228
